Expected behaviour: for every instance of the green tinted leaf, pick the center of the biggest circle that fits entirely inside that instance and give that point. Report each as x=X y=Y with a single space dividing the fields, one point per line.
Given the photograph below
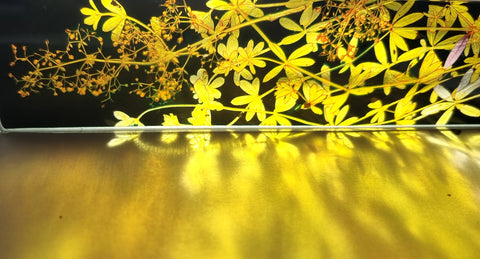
x=289 y=24
x=403 y=10
x=409 y=19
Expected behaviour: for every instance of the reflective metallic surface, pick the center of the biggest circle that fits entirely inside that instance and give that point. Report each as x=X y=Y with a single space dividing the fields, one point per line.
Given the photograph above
x=410 y=194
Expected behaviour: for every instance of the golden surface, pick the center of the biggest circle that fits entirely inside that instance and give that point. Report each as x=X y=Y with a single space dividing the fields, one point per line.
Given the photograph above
x=241 y=195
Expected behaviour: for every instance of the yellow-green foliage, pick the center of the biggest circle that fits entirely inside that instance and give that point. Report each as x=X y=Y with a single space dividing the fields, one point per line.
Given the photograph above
x=330 y=52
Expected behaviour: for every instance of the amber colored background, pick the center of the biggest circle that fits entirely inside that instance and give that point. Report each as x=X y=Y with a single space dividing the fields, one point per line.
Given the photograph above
x=410 y=194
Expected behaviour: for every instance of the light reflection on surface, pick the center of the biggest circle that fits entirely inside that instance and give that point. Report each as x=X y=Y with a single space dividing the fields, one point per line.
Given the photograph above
x=240 y=195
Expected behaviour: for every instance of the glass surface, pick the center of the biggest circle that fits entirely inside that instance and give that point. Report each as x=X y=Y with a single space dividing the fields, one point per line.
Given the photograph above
x=298 y=62
x=312 y=195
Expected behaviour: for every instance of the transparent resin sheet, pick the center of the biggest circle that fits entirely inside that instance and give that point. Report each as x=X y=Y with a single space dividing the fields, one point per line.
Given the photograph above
x=231 y=63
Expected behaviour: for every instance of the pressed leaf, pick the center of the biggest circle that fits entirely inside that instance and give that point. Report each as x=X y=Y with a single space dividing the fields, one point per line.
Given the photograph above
x=297 y=3
x=381 y=53
x=114 y=7
x=398 y=41
x=445 y=118
x=289 y=24
x=119 y=115
x=117 y=31
x=250 y=88
x=277 y=51
x=403 y=10
x=308 y=16
x=112 y=23
x=93 y=21
x=456 y=51
x=284 y=104
x=373 y=68
x=415 y=53
x=255 y=12
x=465 y=87
x=435 y=108
x=407 y=34
x=403 y=108
x=465 y=81
x=88 y=11
x=170 y=120
x=409 y=19
x=300 y=52
x=274 y=72
x=218 y=5
x=241 y=100
x=302 y=62
x=431 y=68
x=92 y=4
x=290 y=39
x=468 y=110
x=443 y=93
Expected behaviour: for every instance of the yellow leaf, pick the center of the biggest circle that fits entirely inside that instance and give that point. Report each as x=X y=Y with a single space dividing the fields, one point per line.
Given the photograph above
x=289 y=24
x=375 y=105
x=88 y=11
x=112 y=23
x=373 y=68
x=218 y=5
x=403 y=10
x=170 y=120
x=302 y=62
x=284 y=104
x=277 y=51
x=274 y=72
x=445 y=116
x=119 y=115
x=403 y=108
x=431 y=68
x=241 y=100
x=435 y=108
x=468 y=110
x=412 y=54
x=381 y=53
x=335 y=102
x=408 y=34
x=397 y=41
x=93 y=21
x=297 y=3
x=308 y=16
x=300 y=52
x=290 y=39
x=409 y=19
x=114 y=7
x=117 y=32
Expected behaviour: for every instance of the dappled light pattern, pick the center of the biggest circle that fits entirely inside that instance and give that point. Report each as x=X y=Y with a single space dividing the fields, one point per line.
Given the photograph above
x=236 y=195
